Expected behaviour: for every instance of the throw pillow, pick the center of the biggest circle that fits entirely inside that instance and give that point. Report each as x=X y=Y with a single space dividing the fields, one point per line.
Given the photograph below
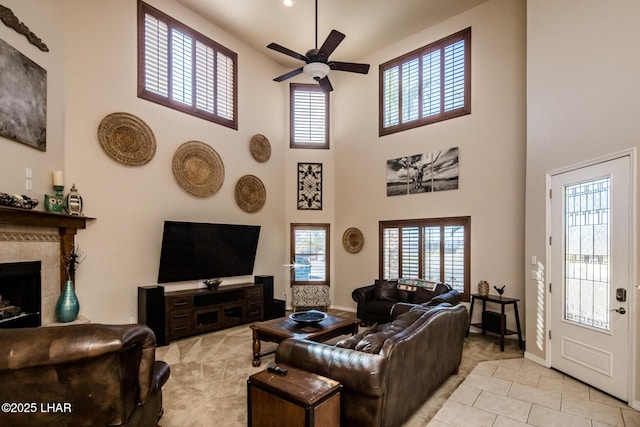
x=351 y=341
x=372 y=343
x=386 y=290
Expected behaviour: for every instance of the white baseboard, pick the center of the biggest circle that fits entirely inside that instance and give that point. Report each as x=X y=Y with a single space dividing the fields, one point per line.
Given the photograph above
x=536 y=359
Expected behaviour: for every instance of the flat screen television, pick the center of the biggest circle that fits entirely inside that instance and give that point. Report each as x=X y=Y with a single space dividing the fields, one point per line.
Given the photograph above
x=195 y=251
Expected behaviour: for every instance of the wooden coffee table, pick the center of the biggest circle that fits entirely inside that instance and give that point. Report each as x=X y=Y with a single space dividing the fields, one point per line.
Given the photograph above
x=278 y=330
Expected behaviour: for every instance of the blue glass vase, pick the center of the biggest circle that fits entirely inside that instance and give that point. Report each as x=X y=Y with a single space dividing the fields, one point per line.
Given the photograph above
x=67 y=307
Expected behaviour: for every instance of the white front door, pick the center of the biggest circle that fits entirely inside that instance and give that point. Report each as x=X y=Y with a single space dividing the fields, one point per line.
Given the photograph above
x=591 y=260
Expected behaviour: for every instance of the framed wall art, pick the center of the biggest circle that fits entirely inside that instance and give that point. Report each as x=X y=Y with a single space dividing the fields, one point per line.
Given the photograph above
x=309 y=186
x=23 y=98
x=423 y=173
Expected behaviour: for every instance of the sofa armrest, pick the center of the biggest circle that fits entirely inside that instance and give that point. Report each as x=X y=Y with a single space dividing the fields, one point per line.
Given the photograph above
x=35 y=347
x=452 y=297
x=400 y=308
x=364 y=293
x=361 y=296
x=358 y=371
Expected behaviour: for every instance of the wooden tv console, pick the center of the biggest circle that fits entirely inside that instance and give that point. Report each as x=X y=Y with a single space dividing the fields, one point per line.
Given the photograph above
x=179 y=314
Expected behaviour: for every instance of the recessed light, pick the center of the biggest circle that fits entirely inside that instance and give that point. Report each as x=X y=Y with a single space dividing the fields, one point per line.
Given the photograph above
x=288 y=3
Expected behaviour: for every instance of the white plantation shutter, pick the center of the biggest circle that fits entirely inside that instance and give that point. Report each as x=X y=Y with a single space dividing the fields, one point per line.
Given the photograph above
x=181 y=67
x=184 y=70
x=205 y=88
x=391 y=97
x=432 y=249
x=454 y=76
x=390 y=253
x=425 y=86
x=410 y=90
x=431 y=83
x=226 y=84
x=156 y=57
x=309 y=115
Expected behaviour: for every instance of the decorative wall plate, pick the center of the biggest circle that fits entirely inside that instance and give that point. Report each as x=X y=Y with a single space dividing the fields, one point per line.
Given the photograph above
x=127 y=139
x=352 y=240
x=260 y=148
x=198 y=168
x=250 y=193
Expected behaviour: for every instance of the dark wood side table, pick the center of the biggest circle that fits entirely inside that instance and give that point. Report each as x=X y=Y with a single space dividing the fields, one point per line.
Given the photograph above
x=503 y=301
x=297 y=399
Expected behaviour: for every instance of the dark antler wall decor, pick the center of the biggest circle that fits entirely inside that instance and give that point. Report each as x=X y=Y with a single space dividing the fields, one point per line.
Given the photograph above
x=11 y=21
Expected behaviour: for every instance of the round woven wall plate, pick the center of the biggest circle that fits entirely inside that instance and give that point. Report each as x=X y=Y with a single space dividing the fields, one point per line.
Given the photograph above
x=127 y=139
x=260 y=148
x=198 y=168
x=250 y=193
x=352 y=240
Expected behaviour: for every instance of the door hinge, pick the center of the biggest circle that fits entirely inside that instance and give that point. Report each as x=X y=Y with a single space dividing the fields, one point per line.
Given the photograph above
x=550 y=193
x=549 y=334
x=550 y=240
x=550 y=285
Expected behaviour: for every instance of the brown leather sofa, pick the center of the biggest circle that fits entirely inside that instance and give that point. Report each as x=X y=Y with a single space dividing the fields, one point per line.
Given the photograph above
x=384 y=387
x=376 y=301
x=80 y=375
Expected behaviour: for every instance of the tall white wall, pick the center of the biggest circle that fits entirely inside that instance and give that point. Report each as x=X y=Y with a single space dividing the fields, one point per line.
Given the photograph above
x=43 y=19
x=122 y=246
x=492 y=154
x=582 y=103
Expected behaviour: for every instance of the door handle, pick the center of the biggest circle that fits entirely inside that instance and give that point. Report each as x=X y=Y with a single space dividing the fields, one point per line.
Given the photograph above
x=620 y=310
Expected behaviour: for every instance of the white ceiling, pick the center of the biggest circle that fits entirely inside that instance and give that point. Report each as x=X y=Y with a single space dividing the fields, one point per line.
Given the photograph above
x=369 y=25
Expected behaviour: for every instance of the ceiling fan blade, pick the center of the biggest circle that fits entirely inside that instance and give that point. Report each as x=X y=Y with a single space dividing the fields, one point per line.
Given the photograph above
x=331 y=43
x=288 y=75
x=325 y=84
x=351 y=67
x=286 y=51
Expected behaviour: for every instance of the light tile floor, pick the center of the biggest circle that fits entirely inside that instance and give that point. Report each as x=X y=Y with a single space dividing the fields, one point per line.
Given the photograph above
x=518 y=392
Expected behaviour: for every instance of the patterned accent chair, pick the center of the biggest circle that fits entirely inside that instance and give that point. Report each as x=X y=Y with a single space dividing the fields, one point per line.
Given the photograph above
x=308 y=297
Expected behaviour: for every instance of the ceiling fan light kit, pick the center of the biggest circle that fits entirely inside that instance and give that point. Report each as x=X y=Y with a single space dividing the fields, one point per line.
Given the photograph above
x=316 y=70
x=317 y=64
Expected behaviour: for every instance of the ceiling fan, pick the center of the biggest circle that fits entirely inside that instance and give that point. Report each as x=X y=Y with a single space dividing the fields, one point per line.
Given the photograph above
x=317 y=63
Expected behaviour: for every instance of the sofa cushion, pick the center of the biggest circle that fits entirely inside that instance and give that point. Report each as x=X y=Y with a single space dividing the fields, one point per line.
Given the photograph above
x=372 y=343
x=351 y=341
x=386 y=290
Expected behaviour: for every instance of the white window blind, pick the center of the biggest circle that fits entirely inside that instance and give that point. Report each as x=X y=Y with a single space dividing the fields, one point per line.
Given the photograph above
x=425 y=86
x=309 y=115
x=184 y=70
x=433 y=249
x=156 y=42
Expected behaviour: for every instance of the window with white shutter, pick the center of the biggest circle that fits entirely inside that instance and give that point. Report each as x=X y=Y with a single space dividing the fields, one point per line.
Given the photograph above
x=428 y=85
x=435 y=249
x=184 y=70
x=309 y=109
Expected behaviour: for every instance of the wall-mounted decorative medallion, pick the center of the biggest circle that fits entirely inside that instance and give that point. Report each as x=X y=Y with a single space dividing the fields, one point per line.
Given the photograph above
x=198 y=168
x=127 y=139
x=250 y=193
x=352 y=240
x=309 y=186
x=260 y=148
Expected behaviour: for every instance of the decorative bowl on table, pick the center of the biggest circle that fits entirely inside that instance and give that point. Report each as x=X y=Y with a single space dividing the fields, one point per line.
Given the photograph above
x=212 y=284
x=310 y=317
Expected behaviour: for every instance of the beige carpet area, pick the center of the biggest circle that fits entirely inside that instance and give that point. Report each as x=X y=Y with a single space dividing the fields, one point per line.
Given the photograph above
x=208 y=383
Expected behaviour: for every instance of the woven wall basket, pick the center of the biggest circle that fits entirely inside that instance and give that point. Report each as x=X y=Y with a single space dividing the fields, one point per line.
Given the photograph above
x=198 y=168
x=127 y=139
x=250 y=193
x=260 y=148
x=352 y=240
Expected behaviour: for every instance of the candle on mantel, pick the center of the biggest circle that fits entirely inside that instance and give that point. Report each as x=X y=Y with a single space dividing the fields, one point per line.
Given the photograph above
x=58 y=179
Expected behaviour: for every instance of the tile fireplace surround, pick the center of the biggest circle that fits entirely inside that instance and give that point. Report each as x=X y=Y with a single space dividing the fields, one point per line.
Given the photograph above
x=39 y=236
x=29 y=243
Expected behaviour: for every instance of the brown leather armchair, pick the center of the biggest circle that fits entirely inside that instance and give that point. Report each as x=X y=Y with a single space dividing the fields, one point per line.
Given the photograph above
x=80 y=375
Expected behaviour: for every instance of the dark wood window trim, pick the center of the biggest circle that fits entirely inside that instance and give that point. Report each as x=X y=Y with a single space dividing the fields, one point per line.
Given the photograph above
x=464 y=221
x=315 y=89
x=438 y=46
x=228 y=114
x=311 y=226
